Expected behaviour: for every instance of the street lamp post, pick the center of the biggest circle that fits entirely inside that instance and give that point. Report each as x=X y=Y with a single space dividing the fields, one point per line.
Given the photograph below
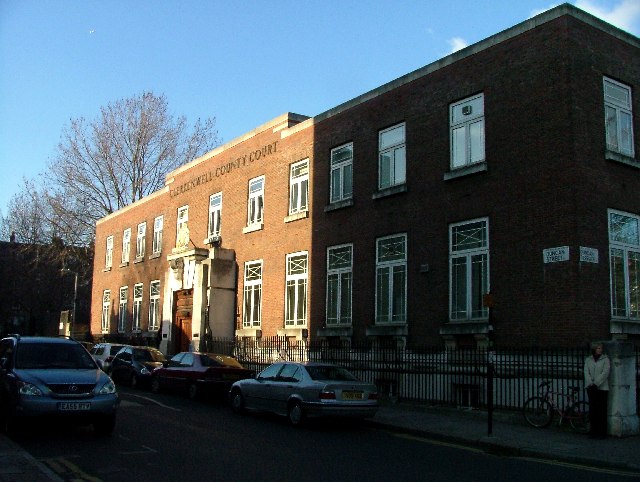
x=75 y=297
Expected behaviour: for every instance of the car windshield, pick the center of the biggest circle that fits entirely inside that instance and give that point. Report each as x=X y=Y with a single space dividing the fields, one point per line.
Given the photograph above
x=148 y=355
x=331 y=373
x=52 y=355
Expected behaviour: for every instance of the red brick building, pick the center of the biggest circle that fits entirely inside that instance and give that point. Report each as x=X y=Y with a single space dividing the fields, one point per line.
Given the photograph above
x=492 y=196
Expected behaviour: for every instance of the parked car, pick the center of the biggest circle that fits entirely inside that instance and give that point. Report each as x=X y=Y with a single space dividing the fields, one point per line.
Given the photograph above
x=47 y=378
x=199 y=374
x=103 y=354
x=300 y=390
x=133 y=365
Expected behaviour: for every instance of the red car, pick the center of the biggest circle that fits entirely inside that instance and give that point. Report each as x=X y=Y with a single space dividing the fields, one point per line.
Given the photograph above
x=199 y=373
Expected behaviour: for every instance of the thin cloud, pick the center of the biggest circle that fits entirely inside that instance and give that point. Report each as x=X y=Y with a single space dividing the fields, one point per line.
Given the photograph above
x=625 y=15
x=456 y=43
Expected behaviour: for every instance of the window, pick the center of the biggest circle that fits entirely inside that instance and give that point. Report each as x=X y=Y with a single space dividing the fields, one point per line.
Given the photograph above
x=122 y=309
x=252 y=294
x=256 y=201
x=341 y=173
x=137 y=306
x=467 y=132
x=215 y=214
x=392 y=157
x=126 y=245
x=339 y=284
x=109 y=256
x=391 y=279
x=618 y=117
x=299 y=187
x=296 y=290
x=624 y=259
x=469 y=269
x=141 y=240
x=182 y=227
x=154 y=306
x=106 y=310
x=157 y=234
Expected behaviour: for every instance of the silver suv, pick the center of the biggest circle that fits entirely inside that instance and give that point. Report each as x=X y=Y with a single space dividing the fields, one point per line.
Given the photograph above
x=53 y=377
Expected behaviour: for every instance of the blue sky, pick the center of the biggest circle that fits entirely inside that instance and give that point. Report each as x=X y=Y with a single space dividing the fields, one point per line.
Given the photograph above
x=242 y=62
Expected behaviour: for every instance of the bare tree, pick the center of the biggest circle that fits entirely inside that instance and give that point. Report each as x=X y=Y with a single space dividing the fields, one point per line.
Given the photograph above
x=27 y=214
x=117 y=159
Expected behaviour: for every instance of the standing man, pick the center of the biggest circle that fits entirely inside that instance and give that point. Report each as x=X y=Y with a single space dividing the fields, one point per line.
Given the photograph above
x=596 y=379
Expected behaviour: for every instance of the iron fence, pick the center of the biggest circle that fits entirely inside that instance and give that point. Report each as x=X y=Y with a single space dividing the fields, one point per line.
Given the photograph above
x=428 y=374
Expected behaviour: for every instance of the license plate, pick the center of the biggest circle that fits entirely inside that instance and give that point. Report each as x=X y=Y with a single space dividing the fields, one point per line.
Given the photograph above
x=74 y=406
x=351 y=395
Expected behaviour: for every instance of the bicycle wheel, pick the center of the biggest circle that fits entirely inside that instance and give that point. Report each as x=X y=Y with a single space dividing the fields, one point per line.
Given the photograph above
x=579 y=417
x=537 y=412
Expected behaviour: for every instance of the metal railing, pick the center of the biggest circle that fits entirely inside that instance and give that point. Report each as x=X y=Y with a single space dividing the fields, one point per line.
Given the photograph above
x=427 y=374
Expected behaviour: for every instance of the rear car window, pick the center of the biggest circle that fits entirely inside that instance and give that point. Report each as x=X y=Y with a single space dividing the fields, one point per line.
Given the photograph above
x=330 y=373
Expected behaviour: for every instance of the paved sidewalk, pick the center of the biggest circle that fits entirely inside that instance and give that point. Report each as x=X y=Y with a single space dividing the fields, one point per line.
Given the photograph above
x=510 y=436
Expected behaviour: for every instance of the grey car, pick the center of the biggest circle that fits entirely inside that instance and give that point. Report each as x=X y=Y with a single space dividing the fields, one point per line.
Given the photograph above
x=47 y=378
x=300 y=390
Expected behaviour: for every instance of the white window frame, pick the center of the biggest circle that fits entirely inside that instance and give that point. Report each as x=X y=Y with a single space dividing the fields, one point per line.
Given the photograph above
x=126 y=245
x=339 y=285
x=299 y=187
x=138 y=290
x=215 y=214
x=106 y=311
x=108 y=262
x=252 y=294
x=141 y=240
x=154 y=305
x=624 y=264
x=255 y=202
x=182 y=220
x=341 y=173
x=466 y=293
x=466 y=132
x=296 y=286
x=392 y=156
x=391 y=273
x=618 y=115
x=158 y=223
x=122 y=309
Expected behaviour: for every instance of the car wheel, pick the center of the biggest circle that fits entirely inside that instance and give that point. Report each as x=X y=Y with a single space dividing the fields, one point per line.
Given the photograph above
x=296 y=414
x=155 y=385
x=104 y=425
x=237 y=402
x=193 y=391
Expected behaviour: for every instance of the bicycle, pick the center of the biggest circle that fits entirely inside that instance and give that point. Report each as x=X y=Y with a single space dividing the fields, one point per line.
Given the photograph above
x=538 y=411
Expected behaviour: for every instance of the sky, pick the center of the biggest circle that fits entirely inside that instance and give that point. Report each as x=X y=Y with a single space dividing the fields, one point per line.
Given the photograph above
x=242 y=62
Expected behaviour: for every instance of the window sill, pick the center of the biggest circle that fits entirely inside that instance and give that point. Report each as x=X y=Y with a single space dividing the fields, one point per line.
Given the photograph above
x=389 y=191
x=475 y=327
x=294 y=217
x=298 y=333
x=466 y=171
x=138 y=260
x=342 y=331
x=394 y=329
x=249 y=333
x=253 y=227
x=155 y=256
x=107 y=269
x=621 y=158
x=124 y=264
x=621 y=326
x=347 y=203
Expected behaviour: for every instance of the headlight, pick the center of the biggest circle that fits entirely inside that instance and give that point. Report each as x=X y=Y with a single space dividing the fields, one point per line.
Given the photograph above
x=25 y=388
x=108 y=388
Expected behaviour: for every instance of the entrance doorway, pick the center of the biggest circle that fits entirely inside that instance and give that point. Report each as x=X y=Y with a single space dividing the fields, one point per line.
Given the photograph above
x=183 y=309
